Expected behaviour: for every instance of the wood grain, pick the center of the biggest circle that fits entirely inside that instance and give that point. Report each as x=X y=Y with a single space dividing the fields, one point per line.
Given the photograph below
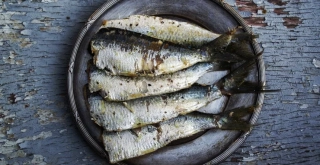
x=36 y=123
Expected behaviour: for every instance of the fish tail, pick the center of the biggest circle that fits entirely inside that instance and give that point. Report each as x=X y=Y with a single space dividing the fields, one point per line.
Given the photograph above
x=230 y=124
x=231 y=46
x=235 y=81
x=241 y=49
x=244 y=37
x=235 y=78
x=250 y=87
x=232 y=119
x=239 y=112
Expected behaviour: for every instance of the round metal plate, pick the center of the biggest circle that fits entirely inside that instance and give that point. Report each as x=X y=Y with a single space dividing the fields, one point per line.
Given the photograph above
x=214 y=145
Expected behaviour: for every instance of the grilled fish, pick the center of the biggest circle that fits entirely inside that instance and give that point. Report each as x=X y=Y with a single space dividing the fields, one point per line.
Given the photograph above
x=116 y=116
x=120 y=88
x=131 y=54
x=177 y=32
x=128 y=144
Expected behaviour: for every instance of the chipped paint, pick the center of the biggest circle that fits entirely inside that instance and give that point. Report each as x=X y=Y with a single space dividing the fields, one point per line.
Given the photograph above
x=5 y=118
x=3 y=161
x=47 y=25
x=12 y=149
x=10 y=28
x=11 y=59
x=249 y=159
x=277 y=2
x=44 y=1
x=12 y=98
x=291 y=22
x=256 y=16
x=256 y=21
x=29 y=95
x=280 y=11
x=304 y=106
x=249 y=5
x=316 y=63
x=316 y=90
x=38 y=159
x=63 y=130
x=46 y=116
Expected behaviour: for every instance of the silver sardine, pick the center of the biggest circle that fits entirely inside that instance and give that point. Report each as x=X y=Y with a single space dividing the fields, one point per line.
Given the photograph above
x=121 y=88
x=129 y=144
x=164 y=29
x=116 y=116
x=130 y=54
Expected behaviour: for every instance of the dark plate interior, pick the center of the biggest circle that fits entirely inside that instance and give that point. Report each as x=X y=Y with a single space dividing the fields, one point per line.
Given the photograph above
x=212 y=145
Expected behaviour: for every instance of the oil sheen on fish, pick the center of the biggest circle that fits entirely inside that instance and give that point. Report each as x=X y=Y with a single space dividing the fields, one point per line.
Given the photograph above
x=116 y=116
x=177 y=32
x=121 y=88
x=128 y=144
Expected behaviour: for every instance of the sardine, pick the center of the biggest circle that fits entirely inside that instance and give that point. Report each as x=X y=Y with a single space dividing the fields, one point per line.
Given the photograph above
x=131 y=54
x=116 y=116
x=128 y=144
x=121 y=88
x=177 y=32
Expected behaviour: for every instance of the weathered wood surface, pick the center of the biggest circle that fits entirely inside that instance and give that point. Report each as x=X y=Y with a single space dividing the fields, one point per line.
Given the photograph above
x=36 y=123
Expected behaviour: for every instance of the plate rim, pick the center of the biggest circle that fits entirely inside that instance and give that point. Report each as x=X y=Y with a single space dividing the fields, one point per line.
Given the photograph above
x=231 y=148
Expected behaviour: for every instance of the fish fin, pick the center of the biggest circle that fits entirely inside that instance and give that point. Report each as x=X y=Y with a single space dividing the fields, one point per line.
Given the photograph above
x=232 y=119
x=233 y=31
x=250 y=87
x=221 y=42
x=231 y=46
x=236 y=77
x=226 y=57
x=240 y=112
x=221 y=65
x=241 y=50
x=236 y=125
x=227 y=123
x=244 y=37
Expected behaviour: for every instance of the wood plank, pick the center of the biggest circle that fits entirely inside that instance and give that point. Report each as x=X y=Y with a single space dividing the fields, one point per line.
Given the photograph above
x=36 y=123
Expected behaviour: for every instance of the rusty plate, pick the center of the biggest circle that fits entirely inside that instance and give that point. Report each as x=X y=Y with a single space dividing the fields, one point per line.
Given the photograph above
x=212 y=146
